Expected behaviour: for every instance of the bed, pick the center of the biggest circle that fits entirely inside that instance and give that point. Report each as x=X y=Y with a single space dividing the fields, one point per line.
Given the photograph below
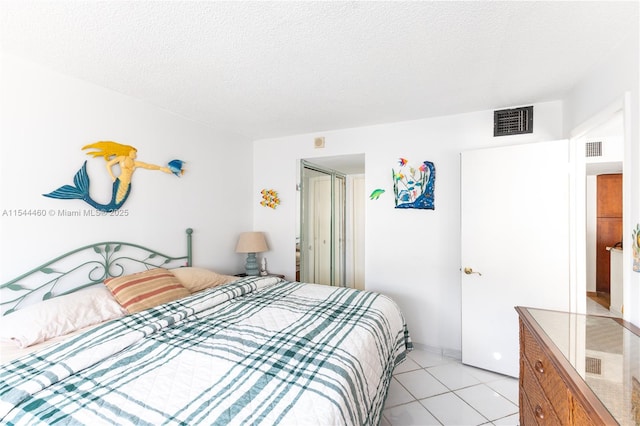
x=229 y=350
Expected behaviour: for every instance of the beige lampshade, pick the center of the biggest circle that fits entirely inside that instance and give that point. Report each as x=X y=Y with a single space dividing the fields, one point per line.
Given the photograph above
x=252 y=242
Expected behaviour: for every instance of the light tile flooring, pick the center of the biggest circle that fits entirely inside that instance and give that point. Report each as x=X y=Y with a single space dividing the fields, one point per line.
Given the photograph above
x=428 y=389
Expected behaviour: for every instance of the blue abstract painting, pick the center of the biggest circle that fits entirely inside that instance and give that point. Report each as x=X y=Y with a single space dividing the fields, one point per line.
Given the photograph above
x=413 y=187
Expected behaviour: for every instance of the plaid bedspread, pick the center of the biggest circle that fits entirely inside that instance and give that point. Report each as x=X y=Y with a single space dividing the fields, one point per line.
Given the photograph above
x=257 y=351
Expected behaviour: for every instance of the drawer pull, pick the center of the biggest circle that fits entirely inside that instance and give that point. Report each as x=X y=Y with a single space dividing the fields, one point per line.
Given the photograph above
x=539 y=367
x=539 y=412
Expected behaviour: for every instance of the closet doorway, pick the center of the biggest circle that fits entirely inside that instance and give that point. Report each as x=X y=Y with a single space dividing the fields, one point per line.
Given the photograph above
x=323 y=214
x=330 y=237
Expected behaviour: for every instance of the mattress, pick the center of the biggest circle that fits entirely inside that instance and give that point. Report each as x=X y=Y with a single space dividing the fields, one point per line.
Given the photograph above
x=259 y=350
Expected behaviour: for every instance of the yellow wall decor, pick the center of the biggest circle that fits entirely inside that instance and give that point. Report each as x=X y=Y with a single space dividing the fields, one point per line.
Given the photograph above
x=635 y=246
x=269 y=198
x=114 y=153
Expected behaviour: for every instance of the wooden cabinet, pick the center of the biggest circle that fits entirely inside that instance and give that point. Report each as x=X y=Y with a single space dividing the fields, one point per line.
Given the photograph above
x=609 y=202
x=556 y=387
x=608 y=226
x=543 y=392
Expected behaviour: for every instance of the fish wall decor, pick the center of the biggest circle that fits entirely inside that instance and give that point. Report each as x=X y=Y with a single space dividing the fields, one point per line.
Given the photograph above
x=269 y=198
x=376 y=193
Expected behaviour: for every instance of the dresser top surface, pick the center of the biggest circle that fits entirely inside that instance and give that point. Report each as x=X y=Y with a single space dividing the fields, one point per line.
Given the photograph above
x=604 y=351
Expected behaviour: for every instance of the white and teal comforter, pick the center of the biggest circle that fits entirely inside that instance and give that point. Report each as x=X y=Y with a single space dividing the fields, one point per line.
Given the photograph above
x=260 y=350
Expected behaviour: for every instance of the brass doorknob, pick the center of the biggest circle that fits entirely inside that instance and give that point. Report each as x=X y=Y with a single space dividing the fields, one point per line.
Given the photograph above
x=470 y=271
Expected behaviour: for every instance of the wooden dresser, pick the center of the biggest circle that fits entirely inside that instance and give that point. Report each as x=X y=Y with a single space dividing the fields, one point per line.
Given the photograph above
x=578 y=369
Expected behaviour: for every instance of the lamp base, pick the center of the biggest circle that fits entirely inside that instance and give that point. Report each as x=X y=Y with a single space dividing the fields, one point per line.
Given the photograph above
x=251 y=265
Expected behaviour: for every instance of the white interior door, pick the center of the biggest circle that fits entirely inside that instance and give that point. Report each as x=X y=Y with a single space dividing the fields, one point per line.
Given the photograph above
x=515 y=238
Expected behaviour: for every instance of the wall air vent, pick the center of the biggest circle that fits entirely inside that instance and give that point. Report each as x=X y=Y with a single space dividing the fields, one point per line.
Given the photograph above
x=593 y=365
x=593 y=149
x=513 y=121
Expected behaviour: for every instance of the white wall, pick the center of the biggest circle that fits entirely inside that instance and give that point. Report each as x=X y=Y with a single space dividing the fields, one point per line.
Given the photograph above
x=411 y=255
x=46 y=118
x=607 y=82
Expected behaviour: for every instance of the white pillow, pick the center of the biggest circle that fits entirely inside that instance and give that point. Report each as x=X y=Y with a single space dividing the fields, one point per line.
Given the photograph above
x=198 y=279
x=59 y=316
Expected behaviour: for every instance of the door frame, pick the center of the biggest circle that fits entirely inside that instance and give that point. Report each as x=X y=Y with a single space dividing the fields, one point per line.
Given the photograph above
x=577 y=201
x=335 y=224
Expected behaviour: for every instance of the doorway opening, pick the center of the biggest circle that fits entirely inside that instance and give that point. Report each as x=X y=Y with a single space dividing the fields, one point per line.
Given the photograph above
x=599 y=212
x=322 y=232
x=330 y=229
x=604 y=215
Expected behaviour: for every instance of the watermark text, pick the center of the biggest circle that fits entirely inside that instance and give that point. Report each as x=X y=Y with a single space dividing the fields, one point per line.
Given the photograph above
x=63 y=213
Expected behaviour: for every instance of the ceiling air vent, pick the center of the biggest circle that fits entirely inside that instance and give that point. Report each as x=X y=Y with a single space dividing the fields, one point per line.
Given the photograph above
x=593 y=149
x=513 y=121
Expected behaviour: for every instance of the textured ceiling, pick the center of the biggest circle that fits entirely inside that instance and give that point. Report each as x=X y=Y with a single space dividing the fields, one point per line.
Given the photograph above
x=265 y=69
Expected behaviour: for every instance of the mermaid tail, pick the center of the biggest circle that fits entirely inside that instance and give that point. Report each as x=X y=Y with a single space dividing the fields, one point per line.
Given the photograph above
x=81 y=192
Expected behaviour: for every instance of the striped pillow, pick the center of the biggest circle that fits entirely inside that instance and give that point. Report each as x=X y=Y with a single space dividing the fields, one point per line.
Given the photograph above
x=144 y=290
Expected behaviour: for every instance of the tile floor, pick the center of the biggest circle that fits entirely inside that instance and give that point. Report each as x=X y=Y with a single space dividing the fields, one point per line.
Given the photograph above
x=428 y=389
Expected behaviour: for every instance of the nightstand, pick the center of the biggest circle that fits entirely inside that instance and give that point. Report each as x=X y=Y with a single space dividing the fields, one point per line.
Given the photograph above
x=268 y=275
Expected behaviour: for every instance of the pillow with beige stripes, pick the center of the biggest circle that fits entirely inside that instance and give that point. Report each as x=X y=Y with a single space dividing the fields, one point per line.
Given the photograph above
x=144 y=290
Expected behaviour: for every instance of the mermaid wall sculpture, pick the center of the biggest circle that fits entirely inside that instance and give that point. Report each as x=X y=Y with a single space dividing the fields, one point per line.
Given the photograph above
x=114 y=154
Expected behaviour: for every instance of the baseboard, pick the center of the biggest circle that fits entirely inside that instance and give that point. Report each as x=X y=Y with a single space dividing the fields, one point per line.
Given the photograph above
x=603 y=299
x=444 y=352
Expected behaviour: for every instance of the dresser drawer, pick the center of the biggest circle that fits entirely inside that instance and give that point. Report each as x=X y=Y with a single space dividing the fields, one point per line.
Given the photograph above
x=539 y=407
x=541 y=367
x=548 y=379
x=582 y=418
x=527 y=415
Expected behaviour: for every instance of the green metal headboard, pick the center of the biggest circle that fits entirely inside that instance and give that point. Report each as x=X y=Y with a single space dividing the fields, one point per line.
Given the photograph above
x=84 y=267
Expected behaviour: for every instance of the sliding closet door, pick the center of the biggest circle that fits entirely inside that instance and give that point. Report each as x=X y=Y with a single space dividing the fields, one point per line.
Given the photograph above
x=322 y=253
x=338 y=210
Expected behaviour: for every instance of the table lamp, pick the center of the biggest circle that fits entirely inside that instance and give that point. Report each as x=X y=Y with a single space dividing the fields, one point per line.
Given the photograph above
x=251 y=243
